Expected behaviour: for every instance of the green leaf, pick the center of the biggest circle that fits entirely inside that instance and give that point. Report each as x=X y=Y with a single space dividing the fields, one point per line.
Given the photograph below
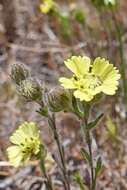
x=79 y=180
x=93 y=124
x=76 y=107
x=85 y=155
x=98 y=166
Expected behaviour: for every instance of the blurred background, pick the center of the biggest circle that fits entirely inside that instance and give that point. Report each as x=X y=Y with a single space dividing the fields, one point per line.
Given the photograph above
x=42 y=41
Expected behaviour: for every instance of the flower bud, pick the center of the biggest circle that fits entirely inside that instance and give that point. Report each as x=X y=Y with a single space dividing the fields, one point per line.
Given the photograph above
x=19 y=73
x=30 y=89
x=58 y=99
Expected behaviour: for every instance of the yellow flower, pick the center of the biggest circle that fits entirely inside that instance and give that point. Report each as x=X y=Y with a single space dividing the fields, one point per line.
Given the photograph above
x=90 y=79
x=46 y=6
x=26 y=143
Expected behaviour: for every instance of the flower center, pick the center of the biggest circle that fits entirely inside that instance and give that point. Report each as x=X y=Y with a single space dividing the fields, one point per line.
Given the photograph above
x=88 y=82
x=93 y=82
x=29 y=146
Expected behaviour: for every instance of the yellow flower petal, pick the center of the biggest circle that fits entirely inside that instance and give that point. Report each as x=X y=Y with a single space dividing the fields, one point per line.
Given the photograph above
x=78 y=65
x=30 y=129
x=83 y=96
x=46 y=6
x=17 y=138
x=100 y=66
x=67 y=83
x=14 y=155
x=108 y=74
x=109 y=89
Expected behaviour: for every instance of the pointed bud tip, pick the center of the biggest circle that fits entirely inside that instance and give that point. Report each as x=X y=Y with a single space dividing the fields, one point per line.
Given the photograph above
x=18 y=73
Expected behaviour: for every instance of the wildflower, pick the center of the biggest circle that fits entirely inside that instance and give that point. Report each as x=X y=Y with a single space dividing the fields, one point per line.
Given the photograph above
x=47 y=6
x=89 y=79
x=58 y=99
x=30 y=89
x=26 y=143
x=19 y=73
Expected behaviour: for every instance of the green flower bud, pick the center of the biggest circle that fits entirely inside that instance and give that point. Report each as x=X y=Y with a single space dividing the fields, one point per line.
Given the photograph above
x=58 y=99
x=30 y=89
x=19 y=73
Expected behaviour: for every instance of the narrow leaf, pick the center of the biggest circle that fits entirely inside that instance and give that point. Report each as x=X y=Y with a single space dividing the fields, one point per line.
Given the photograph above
x=85 y=155
x=94 y=123
x=79 y=180
x=98 y=166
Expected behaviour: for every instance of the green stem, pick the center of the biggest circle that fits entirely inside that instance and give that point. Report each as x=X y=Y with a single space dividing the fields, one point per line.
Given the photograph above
x=91 y=162
x=43 y=169
x=87 y=108
x=89 y=144
x=61 y=152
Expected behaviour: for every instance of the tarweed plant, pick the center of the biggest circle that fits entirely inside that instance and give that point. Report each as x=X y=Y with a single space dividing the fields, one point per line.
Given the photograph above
x=90 y=80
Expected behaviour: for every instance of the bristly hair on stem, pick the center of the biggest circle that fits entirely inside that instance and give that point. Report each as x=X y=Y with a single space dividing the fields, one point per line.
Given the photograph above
x=52 y=124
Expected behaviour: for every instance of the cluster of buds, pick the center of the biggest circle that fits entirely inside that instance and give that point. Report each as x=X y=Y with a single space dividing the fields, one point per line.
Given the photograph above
x=29 y=88
x=89 y=80
x=57 y=99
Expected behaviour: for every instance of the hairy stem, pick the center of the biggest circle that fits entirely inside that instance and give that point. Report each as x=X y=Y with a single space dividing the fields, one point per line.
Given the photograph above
x=48 y=182
x=89 y=144
x=91 y=160
x=61 y=152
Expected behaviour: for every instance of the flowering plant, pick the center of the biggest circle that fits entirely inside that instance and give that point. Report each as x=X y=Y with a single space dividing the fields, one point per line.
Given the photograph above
x=89 y=79
x=26 y=143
